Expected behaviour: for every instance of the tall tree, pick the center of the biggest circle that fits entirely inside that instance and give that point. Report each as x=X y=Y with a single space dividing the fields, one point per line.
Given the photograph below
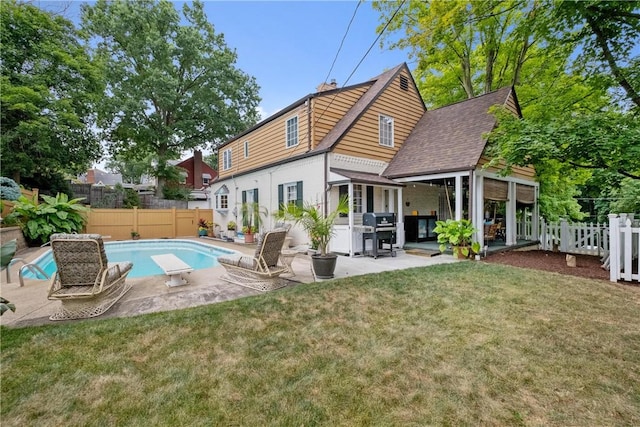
x=608 y=34
x=171 y=86
x=465 y=48
x=604 y=139
x=48 y=90
x=132 y=170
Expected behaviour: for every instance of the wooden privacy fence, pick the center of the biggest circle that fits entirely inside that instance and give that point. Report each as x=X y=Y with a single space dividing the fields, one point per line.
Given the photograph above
x=575 y=238
x=625 y=241
x=149 y=223
x=7 y=205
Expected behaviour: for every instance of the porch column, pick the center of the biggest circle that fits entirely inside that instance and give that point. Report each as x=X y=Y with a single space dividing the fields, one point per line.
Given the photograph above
x=459 y=197
x=478 y=212
x=400 y=219
x=510 y=215
x=535 y=218
x=351 y=222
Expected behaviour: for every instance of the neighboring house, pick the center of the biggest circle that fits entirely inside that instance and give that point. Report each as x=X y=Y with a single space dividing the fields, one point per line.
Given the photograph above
x=199 y=175
x=100 y=177
x=375 y=142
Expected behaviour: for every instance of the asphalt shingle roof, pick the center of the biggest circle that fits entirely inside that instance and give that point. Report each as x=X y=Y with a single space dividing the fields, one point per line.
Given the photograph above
x=450 y=138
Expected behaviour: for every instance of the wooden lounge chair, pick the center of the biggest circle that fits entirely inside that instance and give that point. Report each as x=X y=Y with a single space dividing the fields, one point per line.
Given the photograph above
x=262 y=271
x=86 y=283
x=490 y=232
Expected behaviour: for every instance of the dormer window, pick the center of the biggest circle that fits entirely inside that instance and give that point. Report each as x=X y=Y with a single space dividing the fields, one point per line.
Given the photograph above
x=222 y=199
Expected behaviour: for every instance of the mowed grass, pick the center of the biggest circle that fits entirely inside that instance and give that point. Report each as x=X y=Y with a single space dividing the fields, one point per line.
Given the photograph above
x=459 y=344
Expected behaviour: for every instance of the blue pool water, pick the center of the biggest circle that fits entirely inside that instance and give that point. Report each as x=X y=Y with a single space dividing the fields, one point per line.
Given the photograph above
x=197 y=255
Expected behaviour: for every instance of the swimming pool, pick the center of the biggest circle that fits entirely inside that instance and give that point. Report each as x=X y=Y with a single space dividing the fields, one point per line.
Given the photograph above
x=197 y=255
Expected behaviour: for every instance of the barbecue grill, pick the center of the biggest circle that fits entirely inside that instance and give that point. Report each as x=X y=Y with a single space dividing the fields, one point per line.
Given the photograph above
x=380 y=228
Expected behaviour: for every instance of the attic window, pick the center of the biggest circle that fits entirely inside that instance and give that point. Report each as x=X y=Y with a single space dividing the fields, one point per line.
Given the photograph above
x=404 y=83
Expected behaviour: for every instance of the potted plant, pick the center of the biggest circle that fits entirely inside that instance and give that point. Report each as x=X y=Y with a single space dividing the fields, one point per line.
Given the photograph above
x=251 y=220
x=203 y=228
x=231 y=230
x=135 y=235
x=458 y=235
x=320 y=230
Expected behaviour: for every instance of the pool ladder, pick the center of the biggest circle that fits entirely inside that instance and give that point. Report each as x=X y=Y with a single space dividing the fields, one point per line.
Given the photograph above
x=33 y=268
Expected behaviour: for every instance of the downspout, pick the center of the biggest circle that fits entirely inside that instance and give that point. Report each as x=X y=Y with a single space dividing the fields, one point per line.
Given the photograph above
x=325 y=184
x=309 y=146
x=471 y=193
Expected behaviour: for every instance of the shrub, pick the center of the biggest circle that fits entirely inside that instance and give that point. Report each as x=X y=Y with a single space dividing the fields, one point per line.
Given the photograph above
x=9 y=190
x=54 y=215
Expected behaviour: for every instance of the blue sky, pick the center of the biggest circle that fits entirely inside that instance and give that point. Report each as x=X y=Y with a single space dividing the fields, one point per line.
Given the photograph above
x=289 y=46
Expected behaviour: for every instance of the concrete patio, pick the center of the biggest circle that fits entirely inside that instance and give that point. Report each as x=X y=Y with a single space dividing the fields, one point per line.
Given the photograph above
x=150 y=294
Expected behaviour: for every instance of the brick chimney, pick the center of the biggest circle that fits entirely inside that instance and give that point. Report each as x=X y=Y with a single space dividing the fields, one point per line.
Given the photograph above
x=197 y=169
x=323 y=87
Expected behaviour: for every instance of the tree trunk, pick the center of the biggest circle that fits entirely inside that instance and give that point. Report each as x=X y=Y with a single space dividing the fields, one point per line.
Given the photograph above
x=608 y=56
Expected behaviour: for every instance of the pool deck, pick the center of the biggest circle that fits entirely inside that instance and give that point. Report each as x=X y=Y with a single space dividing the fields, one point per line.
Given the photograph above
x=150 y=294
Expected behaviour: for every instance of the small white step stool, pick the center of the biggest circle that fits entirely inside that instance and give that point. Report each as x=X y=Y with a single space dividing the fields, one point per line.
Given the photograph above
x=172 y=267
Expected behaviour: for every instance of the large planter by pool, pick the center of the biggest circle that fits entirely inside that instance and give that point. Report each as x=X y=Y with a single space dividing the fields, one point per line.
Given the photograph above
x=324 y=266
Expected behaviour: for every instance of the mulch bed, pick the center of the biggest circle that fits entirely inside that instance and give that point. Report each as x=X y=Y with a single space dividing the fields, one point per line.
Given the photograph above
x=586 y=266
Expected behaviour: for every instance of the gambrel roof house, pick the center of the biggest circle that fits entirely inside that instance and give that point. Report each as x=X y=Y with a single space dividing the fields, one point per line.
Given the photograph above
x=376 y=142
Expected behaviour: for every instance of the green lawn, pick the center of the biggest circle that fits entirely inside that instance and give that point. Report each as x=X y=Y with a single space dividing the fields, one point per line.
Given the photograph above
x=458 y=344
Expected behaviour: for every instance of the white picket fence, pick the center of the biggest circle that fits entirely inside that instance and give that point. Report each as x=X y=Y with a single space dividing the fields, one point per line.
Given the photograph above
x=575 y=238
x=624 y=241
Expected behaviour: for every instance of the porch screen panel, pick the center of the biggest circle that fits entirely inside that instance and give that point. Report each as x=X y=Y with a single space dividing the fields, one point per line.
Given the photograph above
x=495 y=190
x=525 y=194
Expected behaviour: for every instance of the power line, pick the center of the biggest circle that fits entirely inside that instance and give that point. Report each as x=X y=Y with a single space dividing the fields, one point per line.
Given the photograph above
x=342 y=42
x=361 y=60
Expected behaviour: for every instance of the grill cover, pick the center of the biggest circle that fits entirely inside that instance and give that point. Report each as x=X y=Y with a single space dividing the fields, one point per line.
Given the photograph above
x=379 y=219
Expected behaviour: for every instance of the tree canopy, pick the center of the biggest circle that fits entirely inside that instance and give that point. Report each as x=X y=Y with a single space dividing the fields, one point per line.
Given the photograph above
x=172 y=82
x=48 y=89
x=575 y=70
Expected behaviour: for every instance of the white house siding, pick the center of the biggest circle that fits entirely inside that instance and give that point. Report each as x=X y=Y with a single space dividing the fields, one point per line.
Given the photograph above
x=422 y=198
x=309 y=170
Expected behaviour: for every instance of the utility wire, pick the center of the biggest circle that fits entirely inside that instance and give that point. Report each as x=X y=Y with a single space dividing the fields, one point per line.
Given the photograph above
x=361 y=60
x=342 y=42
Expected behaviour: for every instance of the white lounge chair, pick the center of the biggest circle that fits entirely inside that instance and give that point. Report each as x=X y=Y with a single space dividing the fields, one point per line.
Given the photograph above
x=263 y=270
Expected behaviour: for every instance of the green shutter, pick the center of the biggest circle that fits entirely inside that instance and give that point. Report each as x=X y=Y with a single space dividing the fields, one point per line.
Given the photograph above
x=280 y=196
x=244 y=197
x=255 y=195
x=369 y=198
x=299 y=202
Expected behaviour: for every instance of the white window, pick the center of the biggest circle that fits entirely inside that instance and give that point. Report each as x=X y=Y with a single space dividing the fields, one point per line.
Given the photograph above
x=290 y=193
x=292 y=132
x=222 y=202
x=357 y=198
x=386 y=131
x=246 y=149
x=226 y=159
x=222 y=198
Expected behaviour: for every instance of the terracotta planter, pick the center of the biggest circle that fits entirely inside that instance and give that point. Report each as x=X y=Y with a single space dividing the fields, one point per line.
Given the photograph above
x=324 y=266
x=249 y=238
x=457 y=252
